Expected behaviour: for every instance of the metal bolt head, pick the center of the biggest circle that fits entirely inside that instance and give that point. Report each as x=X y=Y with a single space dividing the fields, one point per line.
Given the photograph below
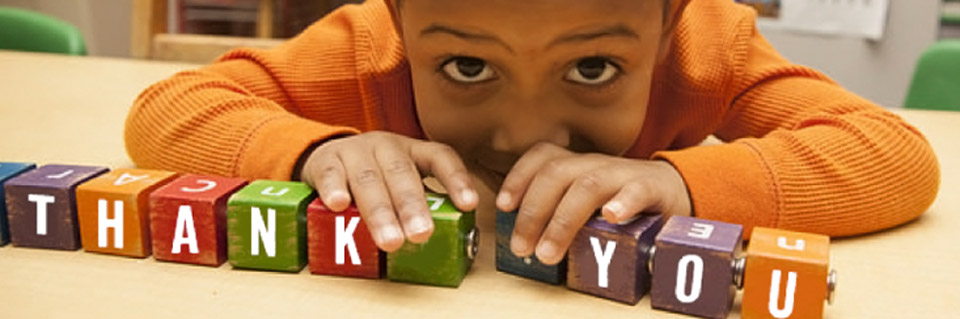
x=831 y=286
x=739 y=267
x=473 y=243
x=650 y=253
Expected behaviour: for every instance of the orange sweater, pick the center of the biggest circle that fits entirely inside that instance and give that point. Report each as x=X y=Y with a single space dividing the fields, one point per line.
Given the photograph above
x=803 y=153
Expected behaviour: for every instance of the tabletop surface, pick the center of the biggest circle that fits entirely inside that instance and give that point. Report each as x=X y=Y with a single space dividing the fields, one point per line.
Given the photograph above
x=59 y=109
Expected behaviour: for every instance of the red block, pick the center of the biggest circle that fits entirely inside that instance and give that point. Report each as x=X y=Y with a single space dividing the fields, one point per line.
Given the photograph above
x=357 y=254
x=191 y=212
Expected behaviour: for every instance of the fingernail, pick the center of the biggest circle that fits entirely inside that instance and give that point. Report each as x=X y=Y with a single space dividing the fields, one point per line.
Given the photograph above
x=418 y=226
x=389 y=234
x=503 y=200
x=546 y=250
x=468 y=197
x=338 y=195
x=518 y=244
x=615 y=210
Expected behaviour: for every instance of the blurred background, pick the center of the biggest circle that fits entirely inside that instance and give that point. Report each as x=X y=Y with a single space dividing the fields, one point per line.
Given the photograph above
x=880 y=69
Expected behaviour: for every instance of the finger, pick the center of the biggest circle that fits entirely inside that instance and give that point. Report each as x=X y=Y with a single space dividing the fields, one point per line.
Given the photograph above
x=632 y=199
x=585 y=194
x=328 y=177
x=442 y=162
x=406 y=192
x=541 y=199
x=518 y=180
x=372 y=199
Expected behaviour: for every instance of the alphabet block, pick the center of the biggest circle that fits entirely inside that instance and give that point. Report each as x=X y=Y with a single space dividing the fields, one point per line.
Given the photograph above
x=188 y=219
x=7 y=171
x=528 y=267
x=445 y=258
x=786 y=275
x=42 y=206
x=610 y=260
x=340 y=243
x=693 y=267
x=267 y=226
x=112 y=211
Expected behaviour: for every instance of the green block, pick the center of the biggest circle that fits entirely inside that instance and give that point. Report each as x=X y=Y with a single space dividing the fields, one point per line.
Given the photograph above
x=281 y=246
x=447 y=256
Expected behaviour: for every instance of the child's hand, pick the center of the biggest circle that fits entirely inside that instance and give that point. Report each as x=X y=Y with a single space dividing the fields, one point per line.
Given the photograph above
x=382 y=171
x=557 y=191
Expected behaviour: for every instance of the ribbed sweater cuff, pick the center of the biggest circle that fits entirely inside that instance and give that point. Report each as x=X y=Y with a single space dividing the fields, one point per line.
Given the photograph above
x=729 y=183
x=272 y=150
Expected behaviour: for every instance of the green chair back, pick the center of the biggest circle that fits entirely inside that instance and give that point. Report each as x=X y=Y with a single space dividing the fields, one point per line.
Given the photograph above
x=24 y=30
x=936 y=81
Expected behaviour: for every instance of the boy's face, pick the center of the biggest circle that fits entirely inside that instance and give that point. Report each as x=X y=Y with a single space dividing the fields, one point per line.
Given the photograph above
x=494 y=77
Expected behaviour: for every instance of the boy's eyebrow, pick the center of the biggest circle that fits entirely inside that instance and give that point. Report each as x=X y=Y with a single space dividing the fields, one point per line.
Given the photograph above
x=438 y=28
x=617 y=30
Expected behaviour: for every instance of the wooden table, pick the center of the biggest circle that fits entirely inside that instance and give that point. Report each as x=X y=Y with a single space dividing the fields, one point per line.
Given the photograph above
x=71 y=110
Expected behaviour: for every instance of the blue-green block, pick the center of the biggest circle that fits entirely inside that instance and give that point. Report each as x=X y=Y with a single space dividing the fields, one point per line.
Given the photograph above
x=529 y=267
x=8 y=171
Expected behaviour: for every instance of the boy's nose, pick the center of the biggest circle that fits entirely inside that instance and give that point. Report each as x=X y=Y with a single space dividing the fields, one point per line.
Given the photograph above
x=518 y=133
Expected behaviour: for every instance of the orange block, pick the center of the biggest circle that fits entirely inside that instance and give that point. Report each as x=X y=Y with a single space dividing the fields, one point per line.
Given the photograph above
x=786 y=275
x=112 y=211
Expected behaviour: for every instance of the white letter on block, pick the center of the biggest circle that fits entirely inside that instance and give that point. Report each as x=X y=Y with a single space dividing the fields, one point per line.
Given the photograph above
x=116 y=223
x=207 y=185
x=345 y=240
x=603 y=259
x=61 y=175
x=185 y=222
x=269 y=191
x=775 y=292
x=701 y=231
x=260 y=232
x=127 y=179
x=42 y=202
x=695 y=282
x=798 y=245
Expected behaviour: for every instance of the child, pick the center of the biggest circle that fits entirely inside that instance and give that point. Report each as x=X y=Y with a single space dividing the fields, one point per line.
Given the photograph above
x=565 y=106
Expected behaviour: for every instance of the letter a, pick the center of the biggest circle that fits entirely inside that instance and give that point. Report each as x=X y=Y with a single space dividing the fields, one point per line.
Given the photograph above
x=185 y=222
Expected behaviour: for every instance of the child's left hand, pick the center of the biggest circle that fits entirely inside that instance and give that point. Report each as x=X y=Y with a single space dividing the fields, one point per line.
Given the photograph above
x=557 y=191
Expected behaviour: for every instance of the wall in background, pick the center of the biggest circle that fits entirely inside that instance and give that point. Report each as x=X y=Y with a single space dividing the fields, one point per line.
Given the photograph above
x=105 y=24
x=878 y=70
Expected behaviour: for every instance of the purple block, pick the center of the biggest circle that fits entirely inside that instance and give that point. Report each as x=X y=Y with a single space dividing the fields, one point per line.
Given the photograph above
x=42 y=206
x=610 y=260
x=693 y=267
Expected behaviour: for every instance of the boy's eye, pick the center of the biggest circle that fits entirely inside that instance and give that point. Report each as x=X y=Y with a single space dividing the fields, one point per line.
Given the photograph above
x=593 y=71
x=468 y=70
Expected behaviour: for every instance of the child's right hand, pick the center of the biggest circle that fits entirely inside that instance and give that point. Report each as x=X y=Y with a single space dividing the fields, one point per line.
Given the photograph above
x=383 y=172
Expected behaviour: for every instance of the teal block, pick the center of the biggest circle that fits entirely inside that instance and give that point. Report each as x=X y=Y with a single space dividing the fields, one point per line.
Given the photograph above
x=445 y=258
x=251 y=241
x=8 y=171
x=528 y=267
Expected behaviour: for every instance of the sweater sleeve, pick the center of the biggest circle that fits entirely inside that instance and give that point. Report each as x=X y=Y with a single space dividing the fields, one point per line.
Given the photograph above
x=249 y=113
x=804 y=154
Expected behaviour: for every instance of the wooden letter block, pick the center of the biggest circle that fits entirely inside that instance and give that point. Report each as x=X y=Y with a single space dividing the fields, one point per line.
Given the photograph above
x=340 y=243
x=528 y=267
x=188 y=219
x=610 y=260
x=7 y=171
x=786 y=275
x=112 y=210
x=445 y=258
x=693 y=267
x=42 y=206
x=267 y=226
